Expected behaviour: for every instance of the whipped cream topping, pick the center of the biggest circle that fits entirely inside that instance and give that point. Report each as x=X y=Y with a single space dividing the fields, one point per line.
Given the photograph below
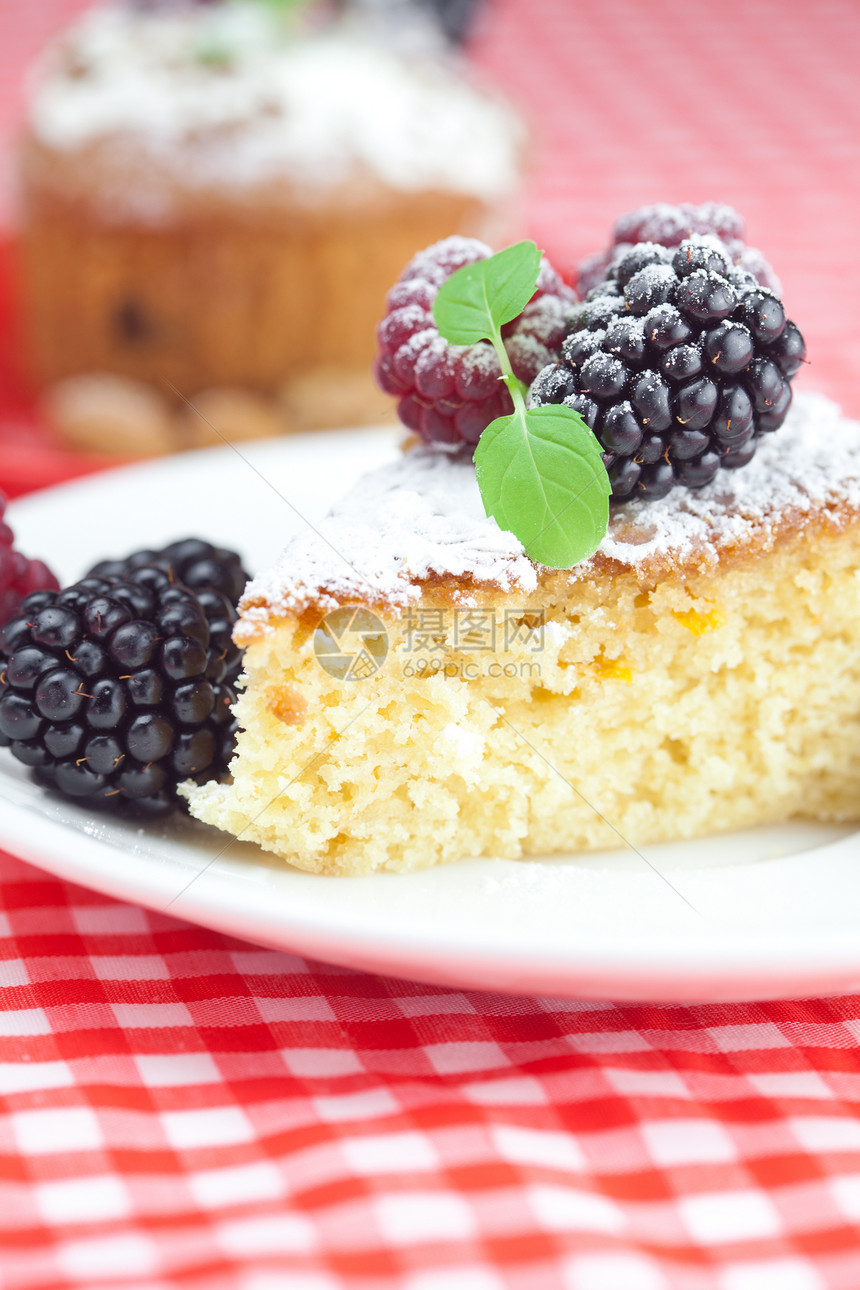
x=222 y=95
x=421 y=518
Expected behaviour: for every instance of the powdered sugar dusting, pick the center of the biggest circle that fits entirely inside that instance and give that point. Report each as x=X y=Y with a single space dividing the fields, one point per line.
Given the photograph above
x=655 y=275
x=434 y=264
x=812 y=461
x=218 y=96
x=422 y=518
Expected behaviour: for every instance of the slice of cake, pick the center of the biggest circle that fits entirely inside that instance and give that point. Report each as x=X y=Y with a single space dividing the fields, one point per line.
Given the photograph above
x=699 y=673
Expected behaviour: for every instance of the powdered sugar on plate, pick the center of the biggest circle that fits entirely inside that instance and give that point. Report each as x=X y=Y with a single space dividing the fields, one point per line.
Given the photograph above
x=421 y=518
x=222 y=96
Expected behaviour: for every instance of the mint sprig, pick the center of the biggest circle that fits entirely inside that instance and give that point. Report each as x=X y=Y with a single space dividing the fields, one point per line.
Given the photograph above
x=540 y=470
x=480 y=298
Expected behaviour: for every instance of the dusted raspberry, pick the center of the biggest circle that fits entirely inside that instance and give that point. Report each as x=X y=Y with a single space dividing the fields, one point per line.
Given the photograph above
x=678 y=361
x=18 y=575
x=449 y=394
x=668 y=225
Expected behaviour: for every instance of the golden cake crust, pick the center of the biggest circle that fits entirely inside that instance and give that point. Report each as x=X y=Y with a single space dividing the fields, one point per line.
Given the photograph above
x=805 y=479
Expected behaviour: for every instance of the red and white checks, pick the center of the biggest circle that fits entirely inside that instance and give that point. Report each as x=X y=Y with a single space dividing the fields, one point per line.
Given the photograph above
x=183 y=1109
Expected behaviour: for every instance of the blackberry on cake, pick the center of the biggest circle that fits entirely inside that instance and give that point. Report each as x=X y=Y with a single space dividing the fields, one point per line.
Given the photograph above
x=679 y=362
x=448 y=394
x=117 y=688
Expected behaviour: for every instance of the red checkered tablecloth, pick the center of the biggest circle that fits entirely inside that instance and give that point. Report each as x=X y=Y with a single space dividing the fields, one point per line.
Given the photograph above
x=184 y=1110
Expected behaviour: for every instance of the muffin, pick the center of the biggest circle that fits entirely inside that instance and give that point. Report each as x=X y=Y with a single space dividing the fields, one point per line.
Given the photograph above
x=207 y=200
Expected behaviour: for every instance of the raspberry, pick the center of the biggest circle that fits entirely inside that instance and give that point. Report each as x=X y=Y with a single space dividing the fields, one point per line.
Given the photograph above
x=667 y=225
x=449 y=394
x=678 y=362
x=18 y=575
x=118 y=688
x=670 y=225
x=195 y=563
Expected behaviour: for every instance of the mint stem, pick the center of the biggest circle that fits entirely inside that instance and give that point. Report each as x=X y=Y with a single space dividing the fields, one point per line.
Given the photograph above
x=517 y=389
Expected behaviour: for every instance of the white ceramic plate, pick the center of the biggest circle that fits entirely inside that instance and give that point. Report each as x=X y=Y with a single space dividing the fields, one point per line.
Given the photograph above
x=777 y=910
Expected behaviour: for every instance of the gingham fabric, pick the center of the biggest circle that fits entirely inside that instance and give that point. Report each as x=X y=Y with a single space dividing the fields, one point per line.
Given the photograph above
x=184 y=1110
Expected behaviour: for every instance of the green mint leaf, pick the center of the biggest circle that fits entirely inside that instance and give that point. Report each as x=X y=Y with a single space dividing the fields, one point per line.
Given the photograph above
x=480 y=298
x=284 y=6
x=540 y=471
x=214 y=52
x=542 y=478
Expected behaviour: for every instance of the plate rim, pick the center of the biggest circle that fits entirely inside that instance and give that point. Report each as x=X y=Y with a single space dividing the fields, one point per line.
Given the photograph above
x=590 y=970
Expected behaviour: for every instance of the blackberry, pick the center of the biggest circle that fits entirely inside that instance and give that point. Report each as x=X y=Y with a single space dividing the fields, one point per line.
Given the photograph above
x=195 y=563
x=449 y=394
x=666 y=225
x=678 y=362
x=119 y=687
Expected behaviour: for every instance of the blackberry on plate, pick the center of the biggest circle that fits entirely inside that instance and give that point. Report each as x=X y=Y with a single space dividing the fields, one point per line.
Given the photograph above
x=667 y=225
x=678 y=362
x=116 y=689
x=18 y=575
x=195 y=563
x=449 y=394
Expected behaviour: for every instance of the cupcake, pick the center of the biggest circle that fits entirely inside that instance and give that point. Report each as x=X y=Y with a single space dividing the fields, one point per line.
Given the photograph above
x=211 y=198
